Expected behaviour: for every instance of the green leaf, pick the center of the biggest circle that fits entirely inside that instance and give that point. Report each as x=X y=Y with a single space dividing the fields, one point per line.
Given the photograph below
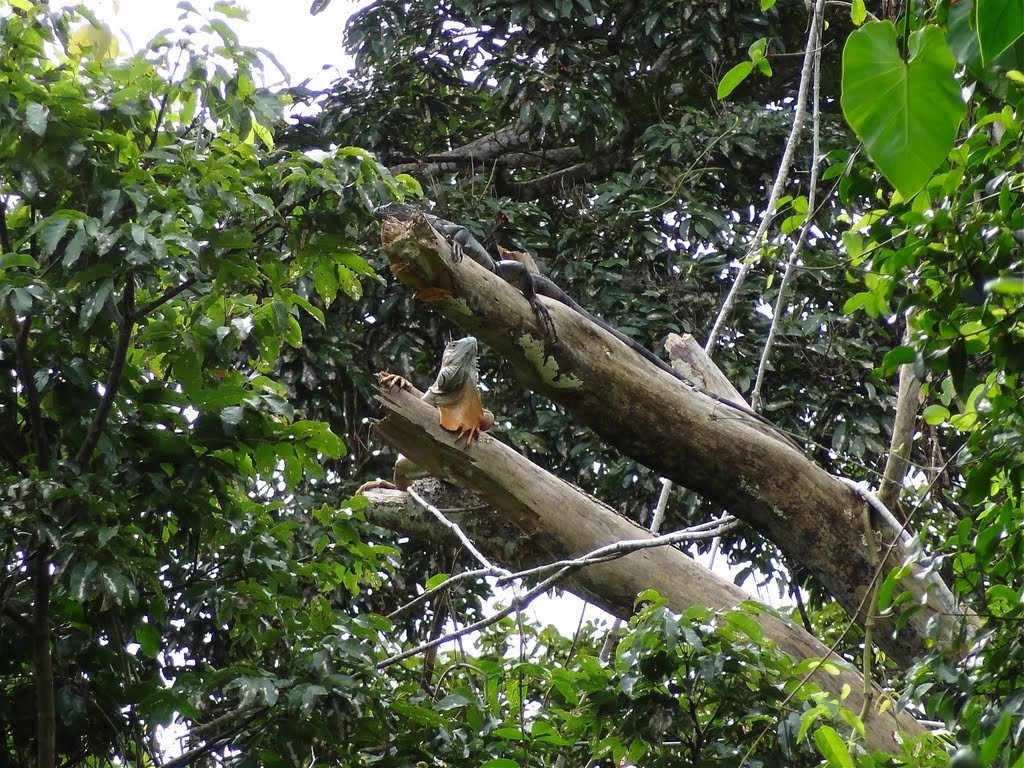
x=734 y=77
x=94 y=303
x=327 y=443
x=148 y=637
x=265 y=458
x=112 y=581
x=907 y=114
x=858 y=12
x=105 y=534
x=35 y=117
x=999 y=23
x=13 y=260
x=436 y=580
x=832 y=747
x=451 y=701
x=935 y=414
x=423 y=715
x=51 y=233
x=187 y=369
x=232 y=415
x=1007 y=286
x=499 y=762
x=80 y=579
x=74 y=248
x=992 y=746
x=325 y=278
x=898 y=356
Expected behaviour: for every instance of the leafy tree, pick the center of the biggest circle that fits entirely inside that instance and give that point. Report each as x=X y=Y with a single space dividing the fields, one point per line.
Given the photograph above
x=157 y=256
x=184 y=392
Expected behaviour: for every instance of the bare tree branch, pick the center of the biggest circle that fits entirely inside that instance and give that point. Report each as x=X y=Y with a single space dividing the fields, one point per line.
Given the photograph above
x=907 y=402
x=781 y=177
x=457 y=159
x=227 y=726
x=791 y=264
x=566 y=178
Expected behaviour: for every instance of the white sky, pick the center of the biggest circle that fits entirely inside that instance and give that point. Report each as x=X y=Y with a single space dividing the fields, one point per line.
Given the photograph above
x=303 y=44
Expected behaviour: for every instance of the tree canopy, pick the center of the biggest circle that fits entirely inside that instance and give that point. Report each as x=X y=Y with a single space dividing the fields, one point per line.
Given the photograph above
x=194 y=298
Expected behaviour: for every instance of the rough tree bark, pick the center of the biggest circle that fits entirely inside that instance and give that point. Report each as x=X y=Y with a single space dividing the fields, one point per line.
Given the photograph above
x=560 y=521
x=694 y=440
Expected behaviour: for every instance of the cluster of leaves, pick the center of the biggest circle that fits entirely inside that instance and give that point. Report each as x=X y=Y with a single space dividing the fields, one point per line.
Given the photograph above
x=165 y=549
x=701 y=689
x=945 y=252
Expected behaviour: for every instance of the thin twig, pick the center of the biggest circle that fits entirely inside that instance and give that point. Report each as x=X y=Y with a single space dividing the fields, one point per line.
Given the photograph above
x=781 y=177
x=479 y=573
x=623 y=548
x=791 y=265
x=26 y=372
x=163 y=299
x=565 y=567
x=113 y=383
x=518 y=603
x=454 y=528
x=190 y=757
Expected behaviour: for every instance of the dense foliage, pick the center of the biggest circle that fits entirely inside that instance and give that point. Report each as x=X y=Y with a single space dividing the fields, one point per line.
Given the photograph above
x=190 y=315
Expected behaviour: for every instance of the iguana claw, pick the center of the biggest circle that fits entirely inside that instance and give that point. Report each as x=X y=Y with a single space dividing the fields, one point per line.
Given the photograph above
x=457 y=250
x=544 y=317
x=391 y=381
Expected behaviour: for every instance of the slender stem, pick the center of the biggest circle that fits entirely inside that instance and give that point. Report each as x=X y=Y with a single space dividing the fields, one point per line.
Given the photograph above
x=159 y=301
x=124 y=336
x=46 y=720
x=5 y=238
x=243 y=718
x=781 y=177
x=791 y=265
x=26 y=372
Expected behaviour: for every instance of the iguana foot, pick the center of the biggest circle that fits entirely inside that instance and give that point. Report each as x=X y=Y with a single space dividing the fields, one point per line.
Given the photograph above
x=391 y=381
x=543 y=317
x=457 y=250
x=469 y=431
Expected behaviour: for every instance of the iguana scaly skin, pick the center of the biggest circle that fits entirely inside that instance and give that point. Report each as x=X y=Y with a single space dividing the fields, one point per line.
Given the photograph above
x=456 y=396
x=516 y=272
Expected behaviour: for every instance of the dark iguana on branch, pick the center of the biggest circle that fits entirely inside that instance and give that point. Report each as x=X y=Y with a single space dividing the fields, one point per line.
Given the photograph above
x=456 y=396
x=516 y=272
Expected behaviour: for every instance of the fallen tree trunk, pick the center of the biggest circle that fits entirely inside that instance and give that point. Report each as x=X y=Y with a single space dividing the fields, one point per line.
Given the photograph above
x=562 y=522
x=718 y=451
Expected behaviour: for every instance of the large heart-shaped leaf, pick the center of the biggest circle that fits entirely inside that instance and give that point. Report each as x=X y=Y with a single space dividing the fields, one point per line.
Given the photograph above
x=999 y=23
x=906 y=113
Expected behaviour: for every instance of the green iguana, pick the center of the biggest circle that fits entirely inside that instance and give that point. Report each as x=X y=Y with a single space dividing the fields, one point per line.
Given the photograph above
x=456 y=396
x=516 y=272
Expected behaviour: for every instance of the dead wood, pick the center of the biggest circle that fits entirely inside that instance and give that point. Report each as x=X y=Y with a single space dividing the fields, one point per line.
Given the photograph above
x=560 y=521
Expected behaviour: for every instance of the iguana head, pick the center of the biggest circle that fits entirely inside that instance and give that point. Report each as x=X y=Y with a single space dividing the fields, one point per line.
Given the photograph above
x=458 y=361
